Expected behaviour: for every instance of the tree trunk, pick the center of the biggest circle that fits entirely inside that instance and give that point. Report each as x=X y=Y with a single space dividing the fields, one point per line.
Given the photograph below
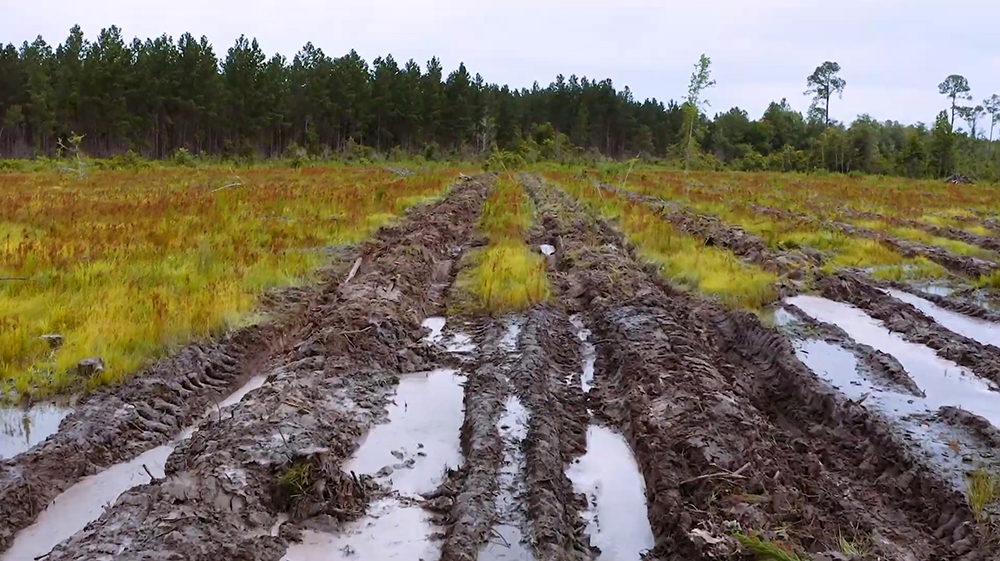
x=828 y=109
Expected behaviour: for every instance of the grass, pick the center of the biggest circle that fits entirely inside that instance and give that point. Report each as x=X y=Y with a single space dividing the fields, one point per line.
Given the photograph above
x=506 y=275
x=982 y=490
x=682 y=259
x=766 y=550
x=127 y=265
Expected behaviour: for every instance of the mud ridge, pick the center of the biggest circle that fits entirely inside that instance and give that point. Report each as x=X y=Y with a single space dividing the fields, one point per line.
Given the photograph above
x=465 y=501
x=117 y=424
x=882 y=366
x=732 y=432
x=279 y=450
x=989 y=243
x=912 y=324
x=557 y=434
x=959 y=264
x=952 y=302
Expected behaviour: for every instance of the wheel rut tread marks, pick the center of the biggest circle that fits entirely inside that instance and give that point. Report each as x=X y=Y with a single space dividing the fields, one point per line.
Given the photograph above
x=247 y=348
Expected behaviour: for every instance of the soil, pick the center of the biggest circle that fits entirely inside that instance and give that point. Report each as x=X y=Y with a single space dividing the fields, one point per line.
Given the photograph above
x=328 y=381
x=730 y=432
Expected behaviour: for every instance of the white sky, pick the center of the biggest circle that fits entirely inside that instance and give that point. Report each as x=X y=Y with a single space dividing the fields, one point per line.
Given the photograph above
x=893 y=52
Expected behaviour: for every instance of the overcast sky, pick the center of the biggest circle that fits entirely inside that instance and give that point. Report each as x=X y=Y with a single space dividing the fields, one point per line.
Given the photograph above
x=894 y=53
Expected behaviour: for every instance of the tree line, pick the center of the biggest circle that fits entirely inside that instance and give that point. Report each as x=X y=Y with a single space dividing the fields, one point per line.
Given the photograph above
x=160 y=97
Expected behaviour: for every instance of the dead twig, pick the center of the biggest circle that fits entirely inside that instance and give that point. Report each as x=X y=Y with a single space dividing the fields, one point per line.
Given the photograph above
x=13 y=278
x=149 y=473
x=722 y=474
x=354 y=270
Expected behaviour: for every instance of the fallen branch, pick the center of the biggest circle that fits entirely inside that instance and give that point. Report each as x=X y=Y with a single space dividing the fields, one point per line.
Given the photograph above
x=718 y=475
x=13 y=278
x=354 y=270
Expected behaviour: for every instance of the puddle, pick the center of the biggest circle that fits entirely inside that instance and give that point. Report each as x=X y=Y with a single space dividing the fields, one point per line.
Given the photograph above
x=21 y=428
x=936 y=441
x=436 y=326
x=987 y=333
x=387 y=532
x=587 y=350
x=547 y=249
x=937 y=289
x=410 y=453
x=85 y=501
x=944 y=382
x=616 y=514
x=506 y=542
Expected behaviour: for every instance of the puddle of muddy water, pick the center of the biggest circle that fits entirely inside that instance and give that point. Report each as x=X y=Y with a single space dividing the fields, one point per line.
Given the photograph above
x=458 y=343
x=85 y=501
x=23 y=427
x=616 y=516
x=410 y=453
x=944 y=382
x=507 y=540
x=987 y=333
x=508 y=343
x=907 y=413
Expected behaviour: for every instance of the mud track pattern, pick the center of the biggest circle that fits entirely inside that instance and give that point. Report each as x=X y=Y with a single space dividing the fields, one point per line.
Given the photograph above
x=912 y=324
x=955 y=302
x=730 y=430
x=221 y=494
x=115 y=425
x=990 y=243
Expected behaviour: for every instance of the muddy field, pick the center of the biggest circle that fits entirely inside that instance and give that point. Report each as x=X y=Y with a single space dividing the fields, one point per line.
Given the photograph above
x=621 y=419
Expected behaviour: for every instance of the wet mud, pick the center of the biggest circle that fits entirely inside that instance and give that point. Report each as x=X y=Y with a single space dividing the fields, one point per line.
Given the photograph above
x=732 y=432
x=281 y=448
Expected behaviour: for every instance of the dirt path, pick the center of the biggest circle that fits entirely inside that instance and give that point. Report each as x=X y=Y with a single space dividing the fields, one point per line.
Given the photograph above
x=222 y=493
x=620 y=417
x=733 y=432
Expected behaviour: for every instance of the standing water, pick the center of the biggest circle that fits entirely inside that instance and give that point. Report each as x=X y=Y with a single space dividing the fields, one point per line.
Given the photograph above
x=987 y=333
x=21 y=428
x=85 y=501
x=507 y=541
x=943 y=381
x=410 y=453
x=616 y=517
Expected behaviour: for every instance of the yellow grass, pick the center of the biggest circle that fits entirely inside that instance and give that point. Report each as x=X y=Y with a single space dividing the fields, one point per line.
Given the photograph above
x=506 y=275
x=126 y=265
x=682 y=259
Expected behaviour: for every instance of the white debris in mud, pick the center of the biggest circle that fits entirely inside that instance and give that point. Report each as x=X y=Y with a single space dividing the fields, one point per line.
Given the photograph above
x=21 y=428
x=616 y=516
x=943 y=381
x=985 y=332
x=411 y=452
x=85 y=501
x=506 y=543
x=547 y=249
